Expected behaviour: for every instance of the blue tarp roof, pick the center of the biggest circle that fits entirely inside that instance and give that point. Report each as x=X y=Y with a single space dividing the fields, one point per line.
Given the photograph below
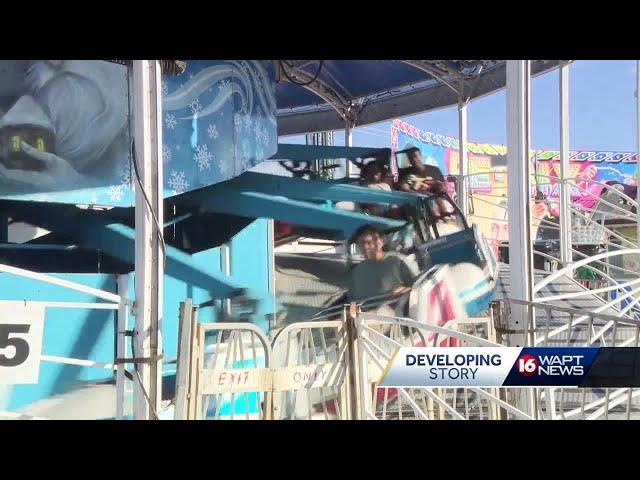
x=379 y=90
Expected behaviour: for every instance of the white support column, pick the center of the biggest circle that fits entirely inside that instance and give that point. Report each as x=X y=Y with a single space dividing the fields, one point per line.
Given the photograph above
x=638 y=149
x=272 y=270
x=225 y=267
x=520 y=254
x=149 y=265
x=463 y=201
x=121 y=344
x=348 y=139
x=566 y=256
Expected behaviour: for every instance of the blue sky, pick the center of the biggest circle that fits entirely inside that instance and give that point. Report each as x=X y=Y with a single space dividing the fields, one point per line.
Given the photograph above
x=601 y=104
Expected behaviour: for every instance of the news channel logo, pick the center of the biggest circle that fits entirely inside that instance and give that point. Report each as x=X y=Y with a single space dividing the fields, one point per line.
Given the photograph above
x=488 y=367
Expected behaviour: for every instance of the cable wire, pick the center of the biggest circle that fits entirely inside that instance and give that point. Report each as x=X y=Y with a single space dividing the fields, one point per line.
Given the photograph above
x=146 y=198
x=295 y=82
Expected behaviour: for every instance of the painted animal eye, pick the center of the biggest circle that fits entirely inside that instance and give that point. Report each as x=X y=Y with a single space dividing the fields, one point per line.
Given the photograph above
x=15 y=143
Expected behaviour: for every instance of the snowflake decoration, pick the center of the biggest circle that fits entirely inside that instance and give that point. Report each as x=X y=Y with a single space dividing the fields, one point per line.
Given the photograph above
x=167 y=155
x=170 y=121
x=212 y=131
x=203 y=157
x=225 y=169
x=115 y=192
x=195 y=106
x=178 y=182
x=125 y=175
x=247 y=122
x=224 y=85
x=165 y=88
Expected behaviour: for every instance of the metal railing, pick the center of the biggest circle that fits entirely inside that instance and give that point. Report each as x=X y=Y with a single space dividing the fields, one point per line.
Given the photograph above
x=380 y=336
x=231 y=371
x=569 y=327
x=119 y=303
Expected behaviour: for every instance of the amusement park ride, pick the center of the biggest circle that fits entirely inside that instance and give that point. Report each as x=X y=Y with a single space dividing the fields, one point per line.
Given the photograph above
x=204 y=236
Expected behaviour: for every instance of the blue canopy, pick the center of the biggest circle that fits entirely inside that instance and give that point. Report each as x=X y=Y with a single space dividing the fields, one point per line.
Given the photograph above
x=369 y=91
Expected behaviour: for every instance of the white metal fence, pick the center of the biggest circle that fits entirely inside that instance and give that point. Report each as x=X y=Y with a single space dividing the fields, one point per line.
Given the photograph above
x=111 y=301
x=570 y=327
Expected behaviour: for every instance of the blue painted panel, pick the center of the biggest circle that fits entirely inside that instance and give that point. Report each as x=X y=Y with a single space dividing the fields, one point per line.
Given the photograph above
x=90 y=334
x=65 y=127
x=74 y=333
x=73 y=117
x=219 y=120
x=250 y=266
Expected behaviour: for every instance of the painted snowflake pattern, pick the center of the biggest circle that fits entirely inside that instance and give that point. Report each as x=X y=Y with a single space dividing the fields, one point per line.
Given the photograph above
x=115 y=192
x=203 y=157
x=170 y=121
x=224 y=85
x=125 y=175
x=178 y=182
x=212 y=131
x=195 y=106
x=225 y=169
x=167 y=155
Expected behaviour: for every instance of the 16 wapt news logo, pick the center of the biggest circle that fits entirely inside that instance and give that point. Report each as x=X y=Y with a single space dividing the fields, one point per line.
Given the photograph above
x=550 y=365
x=562 y=367
x=488 y=367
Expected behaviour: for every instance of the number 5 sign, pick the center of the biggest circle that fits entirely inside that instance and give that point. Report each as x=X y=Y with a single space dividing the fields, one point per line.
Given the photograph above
x=21 y=325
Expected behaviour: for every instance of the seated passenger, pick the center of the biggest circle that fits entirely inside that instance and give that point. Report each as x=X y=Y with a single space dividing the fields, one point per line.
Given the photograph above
x=380 y=273
x=371 y=176
x=420 y=177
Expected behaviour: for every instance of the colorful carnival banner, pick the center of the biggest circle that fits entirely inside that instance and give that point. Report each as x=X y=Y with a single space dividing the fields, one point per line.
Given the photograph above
x=488 y=177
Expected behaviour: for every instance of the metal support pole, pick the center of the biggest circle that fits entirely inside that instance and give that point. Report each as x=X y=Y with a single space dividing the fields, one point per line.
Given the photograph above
x=225 y=267
x=121 y=344
x=565 y=200
x=522 y=318
x=348 y=139
x=272 y=271
x=520 y=254
x=149 y=264
x=463 y=201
